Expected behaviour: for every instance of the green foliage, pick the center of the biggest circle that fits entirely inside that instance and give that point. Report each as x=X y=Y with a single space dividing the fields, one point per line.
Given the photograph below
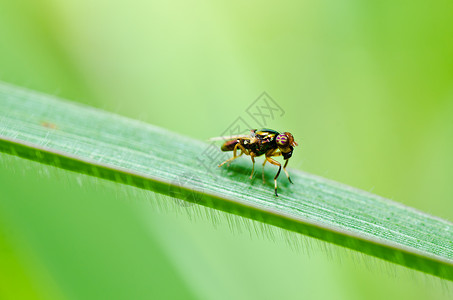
x=86 y=140
x=367 y=91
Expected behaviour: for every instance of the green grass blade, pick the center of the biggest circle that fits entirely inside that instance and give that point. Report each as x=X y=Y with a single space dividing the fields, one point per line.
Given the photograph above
x=90 y=141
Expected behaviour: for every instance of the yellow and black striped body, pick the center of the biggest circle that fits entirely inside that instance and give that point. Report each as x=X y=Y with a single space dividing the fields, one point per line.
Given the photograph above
x=259 y=142
x=264 y=141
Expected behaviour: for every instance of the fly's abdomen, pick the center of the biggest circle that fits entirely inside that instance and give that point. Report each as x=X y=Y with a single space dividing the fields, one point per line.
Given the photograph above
x=229 y=145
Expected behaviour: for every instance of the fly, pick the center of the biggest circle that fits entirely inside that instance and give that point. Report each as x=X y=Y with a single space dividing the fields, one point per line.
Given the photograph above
x=264 y=141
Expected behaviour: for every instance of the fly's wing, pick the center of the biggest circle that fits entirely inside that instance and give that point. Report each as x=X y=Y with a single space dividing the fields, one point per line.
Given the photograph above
x=230 y=137
x=231 y=140
x=229 y=144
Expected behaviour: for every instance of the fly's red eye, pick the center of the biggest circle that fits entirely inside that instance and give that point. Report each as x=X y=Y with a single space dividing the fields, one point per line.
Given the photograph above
x=282 y=139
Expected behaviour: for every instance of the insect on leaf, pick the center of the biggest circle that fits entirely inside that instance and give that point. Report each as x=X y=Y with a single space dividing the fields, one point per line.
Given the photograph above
x=90 y=141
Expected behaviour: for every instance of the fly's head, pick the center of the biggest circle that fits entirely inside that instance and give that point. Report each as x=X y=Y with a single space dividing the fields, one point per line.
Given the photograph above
x=286 y=143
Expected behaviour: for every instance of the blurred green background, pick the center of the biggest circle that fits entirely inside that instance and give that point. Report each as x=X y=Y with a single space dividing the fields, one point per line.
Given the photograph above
x=367 y=90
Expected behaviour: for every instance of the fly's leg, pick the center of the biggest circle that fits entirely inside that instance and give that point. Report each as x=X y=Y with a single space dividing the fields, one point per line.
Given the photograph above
x=244 y=150
x=286 y=172
x=234 y=155
x=252 y=156
x=274 y=162
x=272 y=152
x=278 y=153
